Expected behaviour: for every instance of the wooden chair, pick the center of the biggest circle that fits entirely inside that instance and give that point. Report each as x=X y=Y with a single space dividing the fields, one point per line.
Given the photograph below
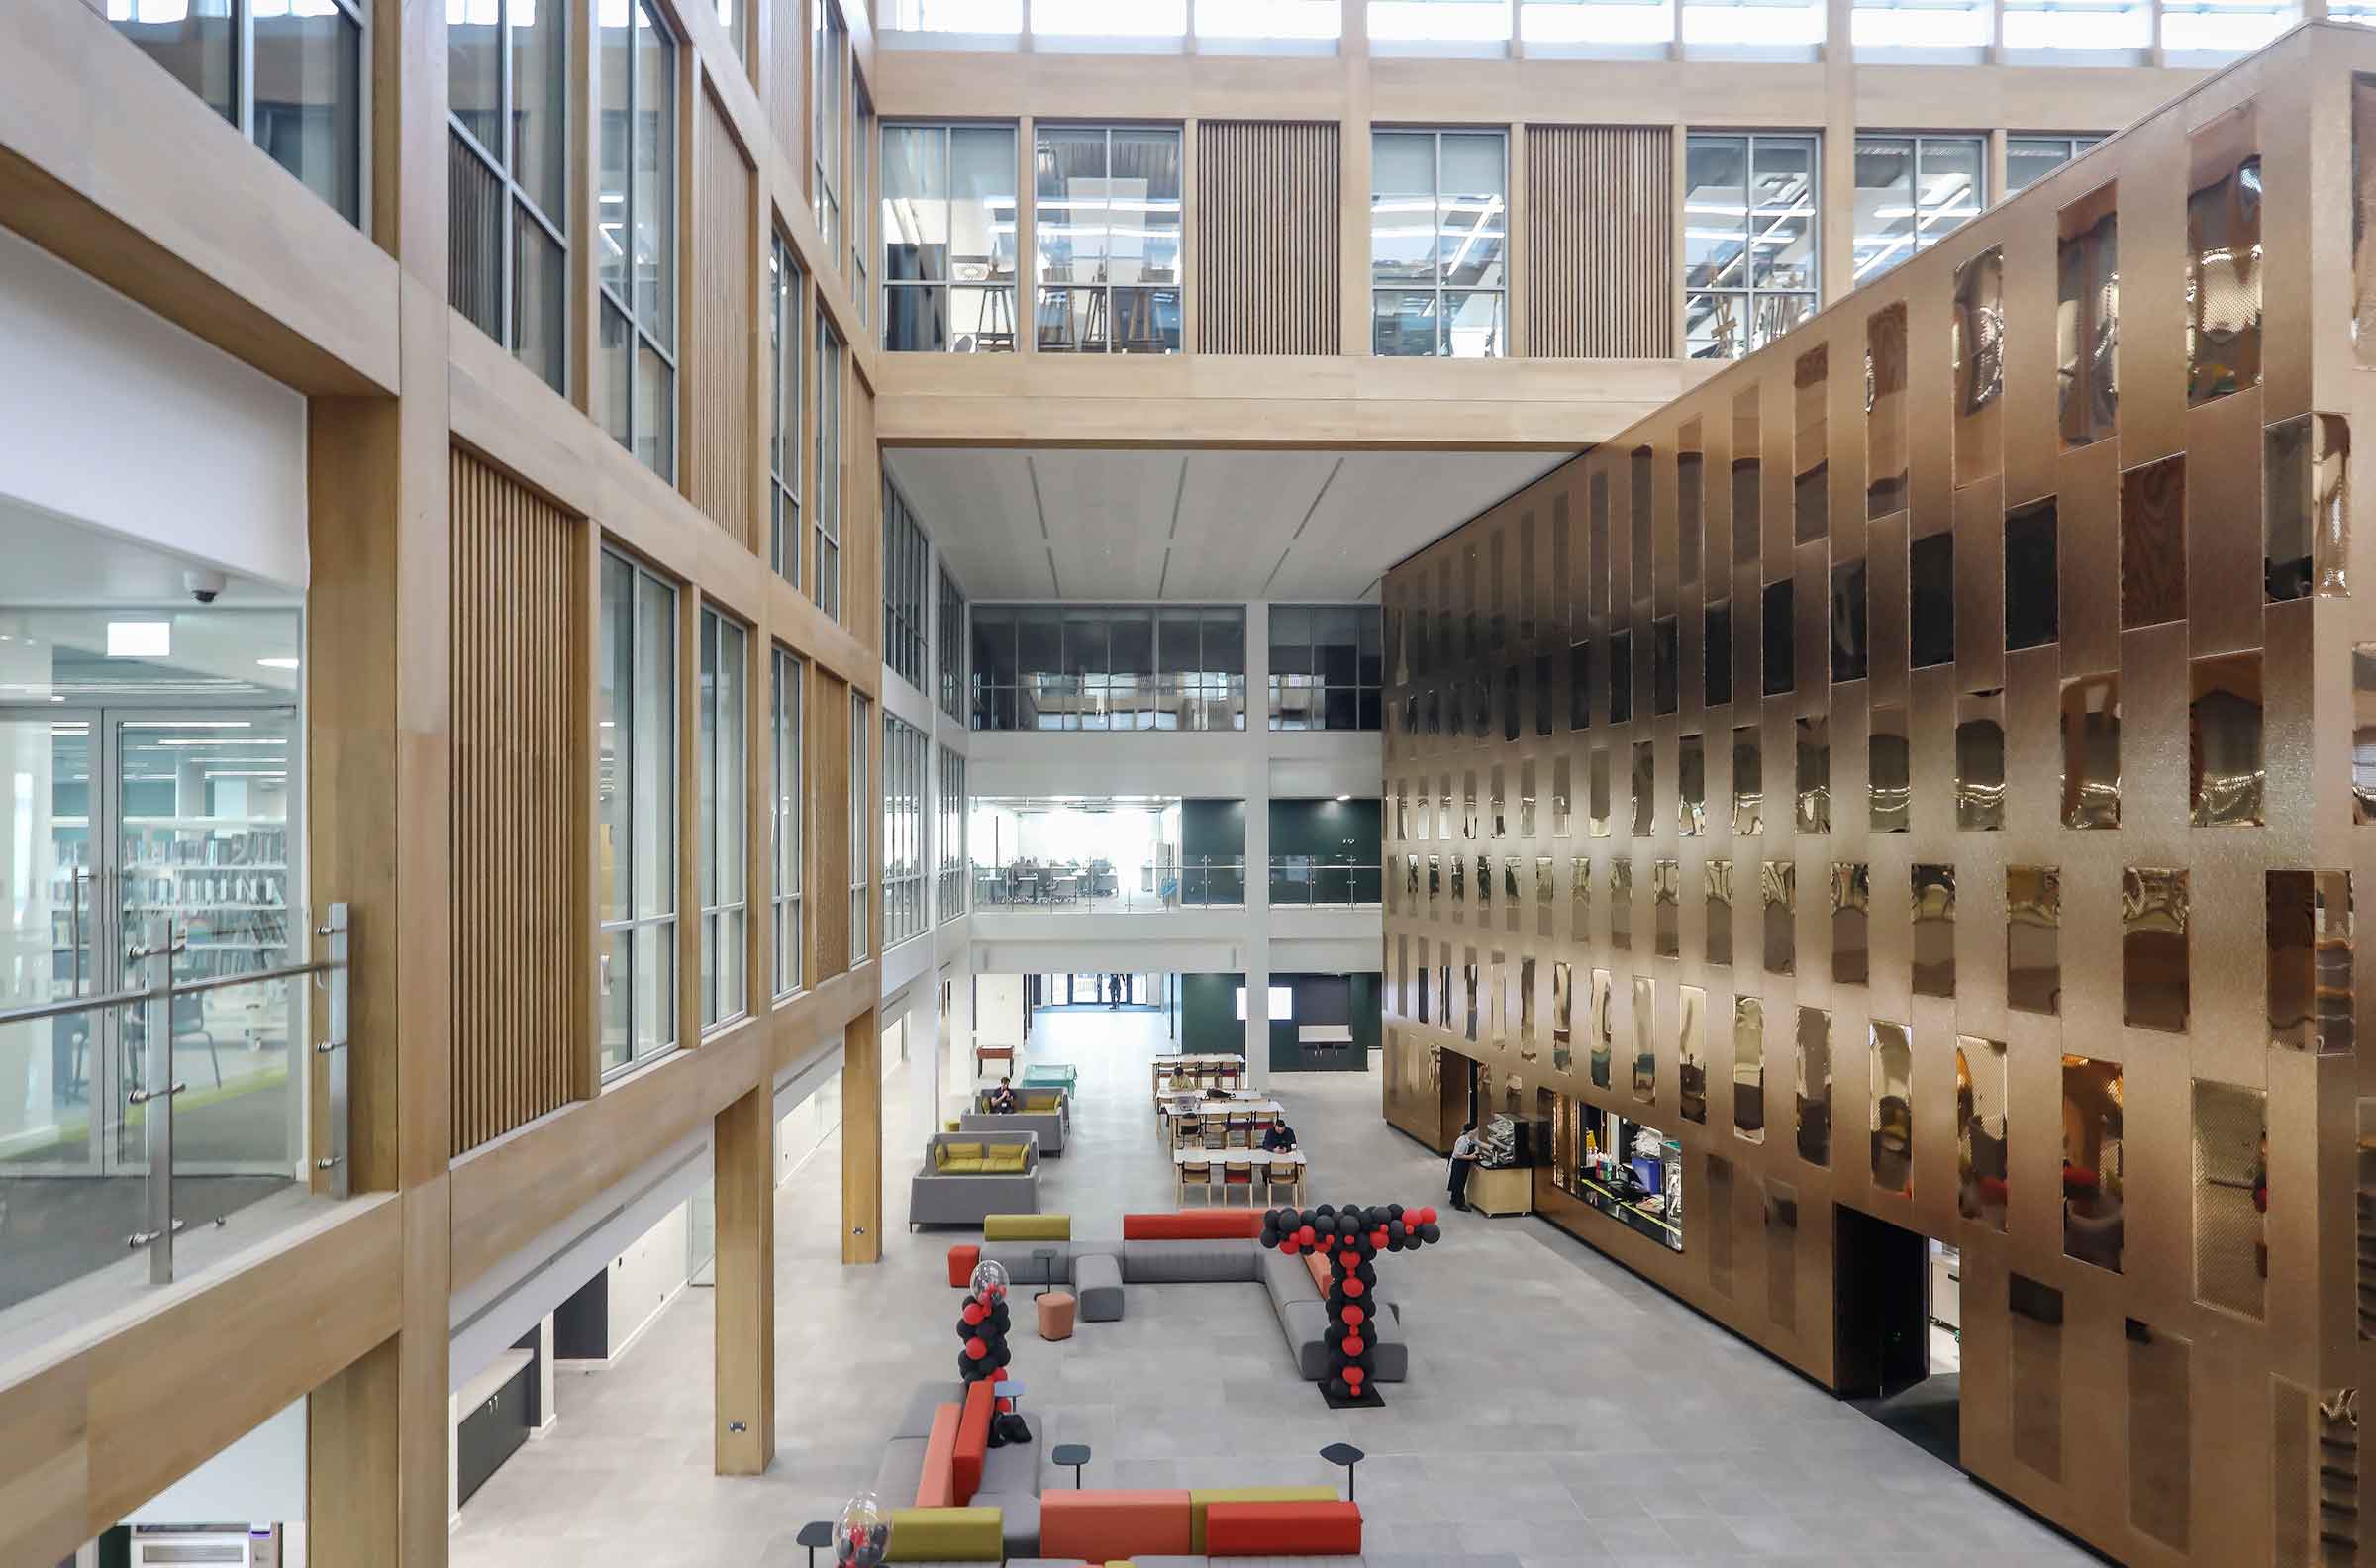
x=1215 y=1131
x=1288 y=1174
x=1196 y=1172
x=1238 y=1130
x=1187 y=1128
x=1238 y=1173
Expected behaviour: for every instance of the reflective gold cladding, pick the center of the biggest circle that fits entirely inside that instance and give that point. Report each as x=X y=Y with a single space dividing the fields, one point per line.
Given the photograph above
x=2108 y=793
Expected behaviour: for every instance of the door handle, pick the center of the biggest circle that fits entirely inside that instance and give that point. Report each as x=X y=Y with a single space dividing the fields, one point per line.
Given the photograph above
x=605 y=961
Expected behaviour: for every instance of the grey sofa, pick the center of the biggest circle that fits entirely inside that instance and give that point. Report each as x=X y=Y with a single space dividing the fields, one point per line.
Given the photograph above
x=1013 y=1477
x=1052 y=1126
x=939 y=1196
x=1098 y=1271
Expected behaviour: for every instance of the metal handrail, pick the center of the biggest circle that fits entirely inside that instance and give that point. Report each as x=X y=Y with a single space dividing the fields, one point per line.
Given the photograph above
x=38 y=1010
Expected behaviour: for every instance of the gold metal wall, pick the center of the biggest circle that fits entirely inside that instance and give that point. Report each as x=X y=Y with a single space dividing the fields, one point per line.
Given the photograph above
x=1922 y=762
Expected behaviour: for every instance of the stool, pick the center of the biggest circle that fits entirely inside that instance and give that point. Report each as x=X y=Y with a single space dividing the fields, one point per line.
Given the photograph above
x=1055 y=1315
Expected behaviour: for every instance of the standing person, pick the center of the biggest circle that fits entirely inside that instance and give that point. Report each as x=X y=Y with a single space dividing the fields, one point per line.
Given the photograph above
x=1464 y=1161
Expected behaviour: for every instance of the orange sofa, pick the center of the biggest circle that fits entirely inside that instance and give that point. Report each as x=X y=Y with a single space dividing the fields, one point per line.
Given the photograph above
x=1105 y=1527
x=1283 y=1530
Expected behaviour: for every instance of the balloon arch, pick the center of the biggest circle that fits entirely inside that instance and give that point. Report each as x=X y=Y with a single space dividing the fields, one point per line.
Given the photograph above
x=1350 y=1240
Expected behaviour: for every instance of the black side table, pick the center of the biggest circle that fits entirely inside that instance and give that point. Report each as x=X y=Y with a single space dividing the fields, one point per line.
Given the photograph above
x=1348 y=1455
x=1046 y=1257
x=1075 y=1455
x=813 y=1536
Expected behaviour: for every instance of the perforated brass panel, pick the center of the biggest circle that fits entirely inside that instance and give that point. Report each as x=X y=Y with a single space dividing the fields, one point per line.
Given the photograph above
x=1977 y=680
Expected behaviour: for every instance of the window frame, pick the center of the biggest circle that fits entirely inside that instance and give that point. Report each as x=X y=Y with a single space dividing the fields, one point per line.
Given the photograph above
x=719 y=736
x=1180 y=684
x=952 y=641
x=1918 y=142
x=1104 y=288
x=829 y=138
x=945 y=287
x=906 y=749
x=1438 y=288
x=241 y=111
x=516 y=198
x=788 y=434
x=952 y=891
x=788 y=835
x=859 y=214
x=906 y=581
x=1749 y=294
x=641 y=333
x=631 y=924
x=2074 y=145
x=1368 y=696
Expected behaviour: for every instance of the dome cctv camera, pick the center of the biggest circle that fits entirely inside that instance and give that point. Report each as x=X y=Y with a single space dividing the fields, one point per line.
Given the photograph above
x=202 y=586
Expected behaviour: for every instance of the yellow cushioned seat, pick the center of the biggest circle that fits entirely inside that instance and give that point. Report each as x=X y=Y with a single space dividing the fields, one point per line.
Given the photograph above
x=963 y=1167
x=1006 y=1159
x=952 y=1535
x=1027 y=1228
x=1199 y=1498
x=966 y=1150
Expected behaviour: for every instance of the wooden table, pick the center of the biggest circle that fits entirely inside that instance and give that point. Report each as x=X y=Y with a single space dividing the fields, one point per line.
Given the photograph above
x=1196 y=1067
x=1182 y=1105
x=1260 y=1159
x=1506 y=1190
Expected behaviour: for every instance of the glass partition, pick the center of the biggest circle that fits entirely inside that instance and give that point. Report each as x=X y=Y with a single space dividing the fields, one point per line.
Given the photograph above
x=1049 y=667
x=1105 y=854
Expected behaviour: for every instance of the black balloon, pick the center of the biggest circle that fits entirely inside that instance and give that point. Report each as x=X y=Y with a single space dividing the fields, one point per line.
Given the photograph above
x=1430 y=1233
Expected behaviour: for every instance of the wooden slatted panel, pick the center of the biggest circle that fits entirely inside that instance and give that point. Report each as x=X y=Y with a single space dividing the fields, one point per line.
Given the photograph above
x=785 y=83
x=518 y=941
x=723 y=442
x=1600 y=241
x=1266 y=237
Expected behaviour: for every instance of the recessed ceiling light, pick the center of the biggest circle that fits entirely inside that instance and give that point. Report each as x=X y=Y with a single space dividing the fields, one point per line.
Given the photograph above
x=277 y=663
x=1344 y=797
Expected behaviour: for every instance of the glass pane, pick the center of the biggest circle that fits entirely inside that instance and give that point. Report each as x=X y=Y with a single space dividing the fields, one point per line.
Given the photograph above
x=1145 y=207
x=475 y=245
x=614 y=730
x=615 y=44
x=1782 y=184
x=654 y=991
x=1714 y=327
x=1472 y=209
x=1952 y=184
x=541 y=105
x=474 y=71
x=1104 y=19
x=980 y=320
x=656 y=411
x=193 y=39
x=1402 y=207
x=1777 y=314
x=916 y=320
x=656 y=179
x=1402 y=323
x=541 y=302
x=1072 y=212
x=1472 y=323
x=614 y=379
x=705 y=761
x=1884 y=203
x=617 y=999
x=1072 y=320
x=729 y=764
x=982 y=203
x=2029 y=159
x=46 y=1089
x=916 y=209
x=652 y=748
x=309 y=105
x=1439 y=21
x=1716 y=197
x=1268 y=19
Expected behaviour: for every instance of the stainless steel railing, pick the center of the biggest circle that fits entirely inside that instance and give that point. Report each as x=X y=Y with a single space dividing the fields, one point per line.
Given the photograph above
x=154 y=1001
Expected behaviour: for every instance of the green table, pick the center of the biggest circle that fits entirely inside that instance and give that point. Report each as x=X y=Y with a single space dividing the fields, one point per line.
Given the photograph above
x=1050 y=1075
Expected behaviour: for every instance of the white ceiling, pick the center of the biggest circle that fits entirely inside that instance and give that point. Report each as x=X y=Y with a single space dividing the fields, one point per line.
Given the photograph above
x=57 y=560
x=1045 y=523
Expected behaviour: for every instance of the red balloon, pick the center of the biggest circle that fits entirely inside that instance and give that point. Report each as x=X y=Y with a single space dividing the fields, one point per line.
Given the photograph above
x=1353 y=1286
x=1287 y=1245
x=1306 y=1235
x=1352 y=1375
x=1354 y=1316
x=974 y=1313
x=1353 y=1344
x=1377 y=1239
x=976 y=1349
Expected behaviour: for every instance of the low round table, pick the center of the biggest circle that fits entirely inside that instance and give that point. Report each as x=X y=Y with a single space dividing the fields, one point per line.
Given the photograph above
x=1073 y=1454
x=814 y=1534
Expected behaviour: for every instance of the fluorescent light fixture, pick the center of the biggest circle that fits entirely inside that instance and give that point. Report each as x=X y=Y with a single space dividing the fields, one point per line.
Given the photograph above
x=1281 y=1002
x=279 y=773
x=139 y=639
x=228 y=740
x=188 y=724
x=1344 y=797
x=277 y=663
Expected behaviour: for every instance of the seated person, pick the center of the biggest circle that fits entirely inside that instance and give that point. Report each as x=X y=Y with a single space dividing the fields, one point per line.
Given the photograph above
x=1278 y=1136
x=1004 y=1100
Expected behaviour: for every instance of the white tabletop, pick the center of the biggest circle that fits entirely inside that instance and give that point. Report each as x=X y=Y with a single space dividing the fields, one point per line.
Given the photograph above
x=1200 y=1062
x=1264 y=1108
x=1182 y=1156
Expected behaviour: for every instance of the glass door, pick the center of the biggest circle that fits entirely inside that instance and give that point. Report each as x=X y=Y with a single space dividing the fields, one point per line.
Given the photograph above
x=204 y=825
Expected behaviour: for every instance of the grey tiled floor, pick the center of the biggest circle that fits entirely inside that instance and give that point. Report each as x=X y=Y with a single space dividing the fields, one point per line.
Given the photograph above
x=1559 y=1410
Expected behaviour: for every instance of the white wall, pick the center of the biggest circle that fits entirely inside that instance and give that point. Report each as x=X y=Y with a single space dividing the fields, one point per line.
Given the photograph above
x=258 y=1480
x=113 y=417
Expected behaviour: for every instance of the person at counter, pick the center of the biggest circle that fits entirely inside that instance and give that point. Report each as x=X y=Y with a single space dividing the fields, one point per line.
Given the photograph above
x=1464 y=1161
x=1278 y=1138
x=1004 y=1101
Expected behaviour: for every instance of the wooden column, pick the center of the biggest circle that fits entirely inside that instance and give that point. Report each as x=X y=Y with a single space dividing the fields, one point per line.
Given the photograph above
x=378 y=661
x=862 y=1141
x=745 y=1178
